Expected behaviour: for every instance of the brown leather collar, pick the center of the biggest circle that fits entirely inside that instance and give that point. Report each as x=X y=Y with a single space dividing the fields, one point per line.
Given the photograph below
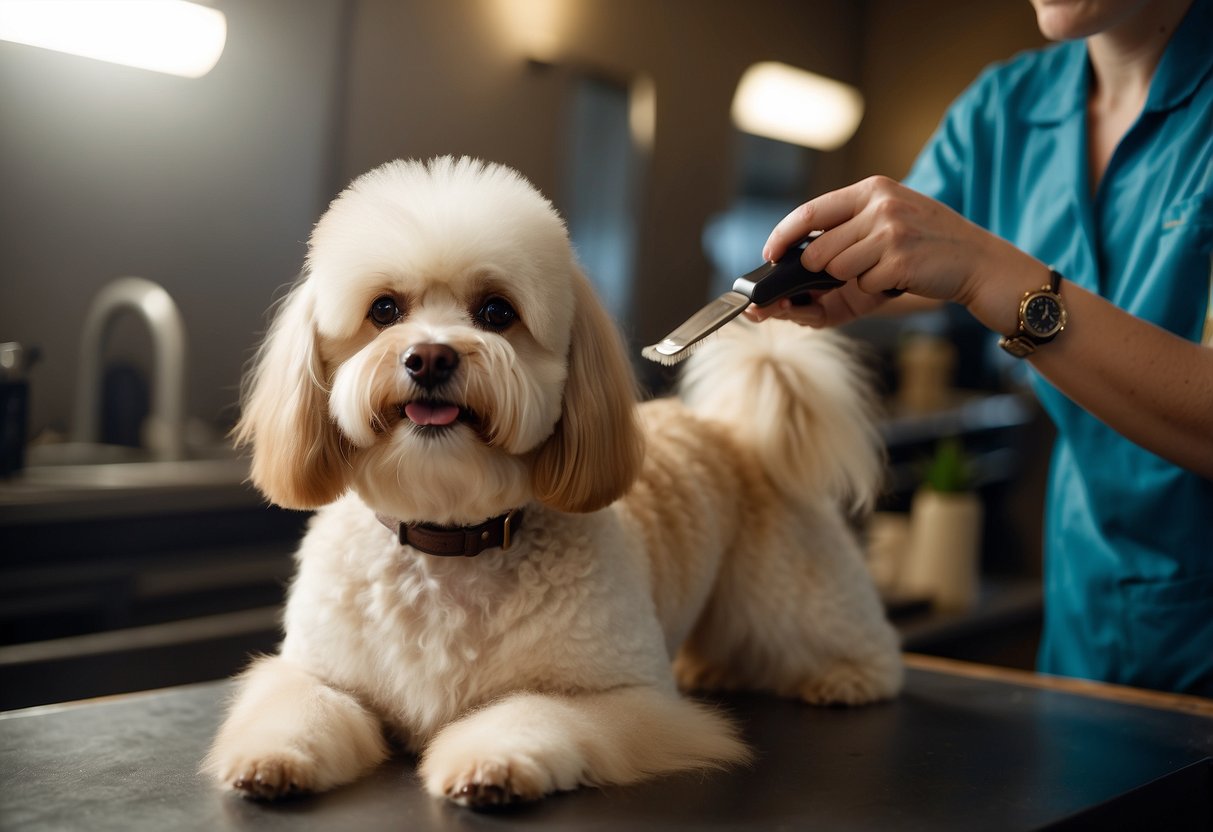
x=458 y=541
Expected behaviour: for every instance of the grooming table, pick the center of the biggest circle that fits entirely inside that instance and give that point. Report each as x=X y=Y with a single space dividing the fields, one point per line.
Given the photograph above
x=965 y=747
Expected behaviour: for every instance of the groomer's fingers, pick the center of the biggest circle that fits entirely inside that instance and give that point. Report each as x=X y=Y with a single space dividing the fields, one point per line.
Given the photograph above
x=869 y=264
x=785 y=309
x=825 y=212
x=837 y=306
x=845 y=304
x=828 y=245
x=793 y=228
x=845 y=252
x=805 y=315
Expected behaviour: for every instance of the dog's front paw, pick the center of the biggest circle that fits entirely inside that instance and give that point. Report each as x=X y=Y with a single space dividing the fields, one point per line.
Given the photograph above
x=488 y=783
x=532 y=744
x=267 y=776
x=288 y=733
x=513 y=752
x=853 y=683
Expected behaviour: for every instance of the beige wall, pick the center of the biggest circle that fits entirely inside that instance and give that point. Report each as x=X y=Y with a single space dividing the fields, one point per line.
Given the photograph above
x=429 y=78
x=917 y=57
x=479 y=96
x=210 y=186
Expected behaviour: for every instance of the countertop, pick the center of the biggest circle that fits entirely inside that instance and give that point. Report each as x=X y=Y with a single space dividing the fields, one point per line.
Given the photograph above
x=70 y=493
x=964 y=747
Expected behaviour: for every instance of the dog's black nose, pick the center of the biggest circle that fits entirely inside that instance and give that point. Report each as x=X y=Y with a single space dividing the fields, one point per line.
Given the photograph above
x=430 y=364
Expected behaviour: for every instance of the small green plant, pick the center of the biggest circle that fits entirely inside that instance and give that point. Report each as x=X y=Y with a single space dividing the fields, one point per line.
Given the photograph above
x=950 y=470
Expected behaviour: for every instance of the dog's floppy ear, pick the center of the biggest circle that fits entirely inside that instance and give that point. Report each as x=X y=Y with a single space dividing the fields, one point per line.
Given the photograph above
x=596 y=450
x=297 y=459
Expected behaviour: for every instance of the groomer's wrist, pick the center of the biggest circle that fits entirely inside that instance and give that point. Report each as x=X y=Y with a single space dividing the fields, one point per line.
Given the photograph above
x=996 y=302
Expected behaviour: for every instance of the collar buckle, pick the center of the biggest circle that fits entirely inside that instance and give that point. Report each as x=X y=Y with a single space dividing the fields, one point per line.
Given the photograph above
x=507 y=527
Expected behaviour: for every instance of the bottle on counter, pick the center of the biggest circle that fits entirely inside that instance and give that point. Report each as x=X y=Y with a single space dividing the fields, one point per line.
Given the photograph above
x=15 y=361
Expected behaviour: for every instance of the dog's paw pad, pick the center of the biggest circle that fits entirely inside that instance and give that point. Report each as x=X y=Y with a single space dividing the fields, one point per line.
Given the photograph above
x=492 y=785
x=271 y=778
x=482 y=795
x=847 y=684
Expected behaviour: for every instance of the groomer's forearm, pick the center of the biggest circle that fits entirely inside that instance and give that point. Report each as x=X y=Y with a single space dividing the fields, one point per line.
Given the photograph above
x=1151 y=386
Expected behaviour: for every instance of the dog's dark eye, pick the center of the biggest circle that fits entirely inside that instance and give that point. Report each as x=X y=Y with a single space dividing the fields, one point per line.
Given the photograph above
x=497 y=313
x=384 y=311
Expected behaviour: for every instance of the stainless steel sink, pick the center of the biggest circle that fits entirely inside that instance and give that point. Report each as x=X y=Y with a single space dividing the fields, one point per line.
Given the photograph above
x=91 y=453
x=183 y=473
x=67 y=476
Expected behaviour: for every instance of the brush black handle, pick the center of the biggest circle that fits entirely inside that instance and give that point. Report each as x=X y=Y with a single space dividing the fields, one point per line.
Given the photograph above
x=788 y=277
x=772 y=281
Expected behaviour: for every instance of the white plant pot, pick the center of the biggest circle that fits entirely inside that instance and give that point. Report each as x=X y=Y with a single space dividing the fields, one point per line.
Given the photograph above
x=944 y=551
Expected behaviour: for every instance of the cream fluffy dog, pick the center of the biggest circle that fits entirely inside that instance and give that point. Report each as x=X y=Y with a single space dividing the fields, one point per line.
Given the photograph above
x=444 y=361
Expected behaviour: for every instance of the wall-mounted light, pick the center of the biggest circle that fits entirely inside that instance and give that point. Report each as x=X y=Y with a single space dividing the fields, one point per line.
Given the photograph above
x=642 y=112
x=538 y=29
x=170 y=36
x=792 y=105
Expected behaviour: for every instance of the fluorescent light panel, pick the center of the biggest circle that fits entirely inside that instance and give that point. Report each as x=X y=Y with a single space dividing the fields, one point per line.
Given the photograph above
x=170 y=36
x=793 y=105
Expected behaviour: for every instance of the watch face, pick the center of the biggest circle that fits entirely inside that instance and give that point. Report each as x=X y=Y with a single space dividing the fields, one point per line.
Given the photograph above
x=1043 y=316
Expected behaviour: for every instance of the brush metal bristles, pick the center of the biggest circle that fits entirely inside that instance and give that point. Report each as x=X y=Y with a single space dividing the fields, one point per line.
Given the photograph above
x=675 y=354
x=676 y=346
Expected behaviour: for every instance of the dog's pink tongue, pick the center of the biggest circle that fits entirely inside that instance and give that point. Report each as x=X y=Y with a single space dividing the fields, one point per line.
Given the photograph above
x=426 y=413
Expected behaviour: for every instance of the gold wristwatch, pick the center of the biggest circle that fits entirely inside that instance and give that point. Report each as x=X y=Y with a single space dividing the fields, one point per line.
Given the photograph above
x=1042 y=315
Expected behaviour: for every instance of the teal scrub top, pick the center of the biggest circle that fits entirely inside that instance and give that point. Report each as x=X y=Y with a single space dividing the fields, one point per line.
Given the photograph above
x=1128 y=536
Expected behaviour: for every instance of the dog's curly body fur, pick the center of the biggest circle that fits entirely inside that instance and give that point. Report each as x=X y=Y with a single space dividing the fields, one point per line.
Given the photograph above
x=699 y=541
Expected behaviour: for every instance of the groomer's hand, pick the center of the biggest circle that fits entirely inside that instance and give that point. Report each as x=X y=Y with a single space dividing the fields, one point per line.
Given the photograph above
x=880 y=235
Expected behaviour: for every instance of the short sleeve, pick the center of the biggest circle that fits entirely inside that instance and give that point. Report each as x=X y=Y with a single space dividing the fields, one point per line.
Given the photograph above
x=945 y=166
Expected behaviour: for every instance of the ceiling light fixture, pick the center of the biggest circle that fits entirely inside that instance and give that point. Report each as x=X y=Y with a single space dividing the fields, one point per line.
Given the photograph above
x=793 y=105
x=170 y=36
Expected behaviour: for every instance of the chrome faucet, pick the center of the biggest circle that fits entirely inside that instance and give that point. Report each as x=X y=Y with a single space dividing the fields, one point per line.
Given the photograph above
x=164 y=433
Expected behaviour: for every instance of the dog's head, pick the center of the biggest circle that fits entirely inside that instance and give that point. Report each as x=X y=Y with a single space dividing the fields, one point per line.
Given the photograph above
x=443 y=355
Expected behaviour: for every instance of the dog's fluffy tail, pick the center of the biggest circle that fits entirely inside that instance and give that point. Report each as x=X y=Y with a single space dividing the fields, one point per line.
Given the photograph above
x=799 y=399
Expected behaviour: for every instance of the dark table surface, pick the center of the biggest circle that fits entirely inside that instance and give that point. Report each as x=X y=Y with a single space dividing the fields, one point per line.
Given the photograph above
x=956 y=751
